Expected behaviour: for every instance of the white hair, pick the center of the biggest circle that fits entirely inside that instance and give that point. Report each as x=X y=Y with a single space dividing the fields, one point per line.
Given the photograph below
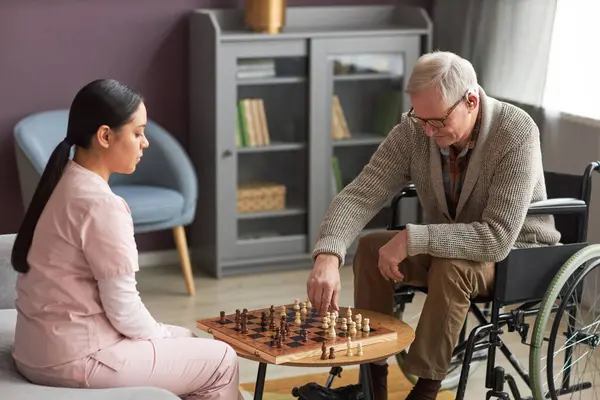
x=453 y=75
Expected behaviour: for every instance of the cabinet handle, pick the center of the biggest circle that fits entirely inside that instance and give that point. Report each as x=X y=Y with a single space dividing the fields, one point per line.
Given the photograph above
x=227 y=153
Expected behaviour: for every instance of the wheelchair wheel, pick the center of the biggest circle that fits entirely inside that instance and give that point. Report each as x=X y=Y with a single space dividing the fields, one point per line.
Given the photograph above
x=453 y=377
x=565 y=352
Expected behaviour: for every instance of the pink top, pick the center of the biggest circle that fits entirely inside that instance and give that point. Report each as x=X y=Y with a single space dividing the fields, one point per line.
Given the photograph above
x=80 y=294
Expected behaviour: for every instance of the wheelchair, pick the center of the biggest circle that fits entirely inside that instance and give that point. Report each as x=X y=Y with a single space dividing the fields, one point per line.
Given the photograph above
x=532 y=282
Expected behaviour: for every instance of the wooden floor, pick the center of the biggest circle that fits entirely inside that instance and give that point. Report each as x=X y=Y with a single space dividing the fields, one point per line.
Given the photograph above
x=163 y=291
x=398 y=387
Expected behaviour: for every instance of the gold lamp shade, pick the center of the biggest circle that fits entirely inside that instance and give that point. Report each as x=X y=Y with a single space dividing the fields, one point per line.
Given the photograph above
x=265 y=16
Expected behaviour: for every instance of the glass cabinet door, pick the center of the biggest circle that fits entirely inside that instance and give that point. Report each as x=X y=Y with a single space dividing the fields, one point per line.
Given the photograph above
x=361 y=97
x=265 y=134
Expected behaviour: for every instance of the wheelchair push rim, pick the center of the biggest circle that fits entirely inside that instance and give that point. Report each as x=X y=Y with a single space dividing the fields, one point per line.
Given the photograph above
x=565 y=353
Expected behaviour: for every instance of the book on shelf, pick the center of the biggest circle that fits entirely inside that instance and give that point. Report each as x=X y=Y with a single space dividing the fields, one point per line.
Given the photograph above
x=339 y=127
x=251 y=129
x=389 y=109
x=336 y=176
x=256 y=68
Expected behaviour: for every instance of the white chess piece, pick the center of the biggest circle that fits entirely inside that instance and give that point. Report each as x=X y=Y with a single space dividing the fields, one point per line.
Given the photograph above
x=298 y=320
x=325 y=324
x=296 y=305
x=353 y=328
x=349 y=352
x=359 y=351
x=366 y=327
x=358 y=319
x=308 y=304
x=331 y=332
x=344 y=325
x=349 y=313
x=303 y=309
x=282 y=312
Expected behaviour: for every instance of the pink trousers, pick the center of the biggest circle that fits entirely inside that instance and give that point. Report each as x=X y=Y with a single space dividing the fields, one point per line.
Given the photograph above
x=189 y=367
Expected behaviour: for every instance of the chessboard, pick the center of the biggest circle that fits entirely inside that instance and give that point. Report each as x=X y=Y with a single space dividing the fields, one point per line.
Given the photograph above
x=294 y=331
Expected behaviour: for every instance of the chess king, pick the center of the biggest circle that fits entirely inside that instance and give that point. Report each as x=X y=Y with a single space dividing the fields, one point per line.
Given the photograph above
x=476 y=164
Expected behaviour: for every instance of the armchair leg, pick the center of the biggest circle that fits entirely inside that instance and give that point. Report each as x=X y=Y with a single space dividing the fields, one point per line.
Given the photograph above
x=184 y=258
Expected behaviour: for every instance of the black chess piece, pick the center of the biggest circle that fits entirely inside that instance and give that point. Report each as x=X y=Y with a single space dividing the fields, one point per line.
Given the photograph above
x=222 y=320
x=331 y=353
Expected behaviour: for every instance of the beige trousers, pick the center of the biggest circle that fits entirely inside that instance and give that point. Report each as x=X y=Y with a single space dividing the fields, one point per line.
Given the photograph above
x=450 y=285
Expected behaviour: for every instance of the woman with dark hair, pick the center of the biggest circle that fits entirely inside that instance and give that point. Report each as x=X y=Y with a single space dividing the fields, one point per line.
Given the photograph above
x=81 y=322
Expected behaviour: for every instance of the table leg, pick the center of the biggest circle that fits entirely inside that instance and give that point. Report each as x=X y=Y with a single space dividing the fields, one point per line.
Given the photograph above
x=366 y=381
x=260 y=381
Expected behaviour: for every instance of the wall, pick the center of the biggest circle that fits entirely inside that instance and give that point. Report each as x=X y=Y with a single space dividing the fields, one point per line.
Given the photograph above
x=49 y=49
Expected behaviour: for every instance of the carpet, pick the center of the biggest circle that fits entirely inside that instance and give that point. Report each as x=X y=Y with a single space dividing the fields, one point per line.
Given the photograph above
x=281 y=389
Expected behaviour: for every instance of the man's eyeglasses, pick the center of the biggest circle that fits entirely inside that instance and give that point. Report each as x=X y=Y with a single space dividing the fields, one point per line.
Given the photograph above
x=435 y=122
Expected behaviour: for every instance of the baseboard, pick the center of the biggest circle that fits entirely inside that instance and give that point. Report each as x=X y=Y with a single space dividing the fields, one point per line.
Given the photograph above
x=158 y=258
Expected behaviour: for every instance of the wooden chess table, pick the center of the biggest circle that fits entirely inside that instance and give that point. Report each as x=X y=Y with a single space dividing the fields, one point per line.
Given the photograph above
x=258 y=337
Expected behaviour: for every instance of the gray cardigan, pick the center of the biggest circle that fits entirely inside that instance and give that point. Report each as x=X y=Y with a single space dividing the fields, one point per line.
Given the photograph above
x=505 y=174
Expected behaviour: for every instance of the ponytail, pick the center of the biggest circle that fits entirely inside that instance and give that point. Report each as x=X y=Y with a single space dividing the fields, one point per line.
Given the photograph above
x=50 y=177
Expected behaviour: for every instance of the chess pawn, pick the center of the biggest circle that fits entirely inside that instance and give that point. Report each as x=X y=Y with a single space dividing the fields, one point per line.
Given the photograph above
x=328 y=315
x=303 y=309
x=365 y=326
x=282 y=312
x=331 y=353
x=296 y=305
x=298 y=321
x=308 y=304
x=353 y=328
x=344 y=325
x=349 y=313
x=359 y=349
x=358 y=319
x=349 y=348
x=325 y=324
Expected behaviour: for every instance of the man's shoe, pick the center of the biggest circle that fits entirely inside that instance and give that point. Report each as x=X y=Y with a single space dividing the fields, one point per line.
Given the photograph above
x=379 y=374
x=425 y=389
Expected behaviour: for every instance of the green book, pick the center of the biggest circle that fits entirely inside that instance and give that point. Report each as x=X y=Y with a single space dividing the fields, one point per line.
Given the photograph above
x=242 y=125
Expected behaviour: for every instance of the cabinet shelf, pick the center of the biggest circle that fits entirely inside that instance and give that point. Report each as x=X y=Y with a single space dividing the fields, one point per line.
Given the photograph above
x=277 y=80
x=274 y=146
x=364 y=77
x=273 y=214
x=360 y=139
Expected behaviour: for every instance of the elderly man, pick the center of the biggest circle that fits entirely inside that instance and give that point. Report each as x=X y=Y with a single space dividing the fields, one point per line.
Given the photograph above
x=476 y=164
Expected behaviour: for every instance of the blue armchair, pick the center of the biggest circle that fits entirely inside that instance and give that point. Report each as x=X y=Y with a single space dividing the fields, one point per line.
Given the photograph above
x=161 y=193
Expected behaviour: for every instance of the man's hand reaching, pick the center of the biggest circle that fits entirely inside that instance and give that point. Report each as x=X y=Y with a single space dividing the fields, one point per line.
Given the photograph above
x=391 y=255
x=323 y=285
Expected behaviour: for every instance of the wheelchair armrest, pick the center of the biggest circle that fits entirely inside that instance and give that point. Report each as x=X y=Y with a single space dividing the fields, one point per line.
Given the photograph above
x=557 y=206
x=407 y=191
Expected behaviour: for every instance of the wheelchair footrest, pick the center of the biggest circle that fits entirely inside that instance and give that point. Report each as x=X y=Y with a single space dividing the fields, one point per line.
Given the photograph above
x=314 y=391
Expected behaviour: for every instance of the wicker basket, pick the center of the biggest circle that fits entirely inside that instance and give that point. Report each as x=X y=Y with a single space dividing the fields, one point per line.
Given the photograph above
x=260 y=196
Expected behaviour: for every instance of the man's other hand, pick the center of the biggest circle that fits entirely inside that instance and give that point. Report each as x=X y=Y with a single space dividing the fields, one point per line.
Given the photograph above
x=323 y=285
x=391 y=255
